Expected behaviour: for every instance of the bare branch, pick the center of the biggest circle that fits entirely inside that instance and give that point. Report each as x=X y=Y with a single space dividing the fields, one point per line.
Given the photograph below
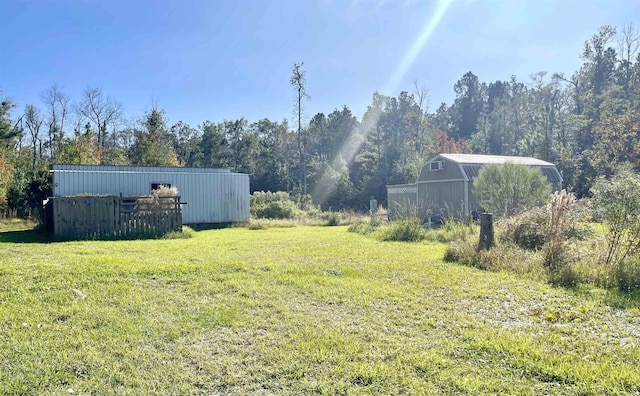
x=101 y=111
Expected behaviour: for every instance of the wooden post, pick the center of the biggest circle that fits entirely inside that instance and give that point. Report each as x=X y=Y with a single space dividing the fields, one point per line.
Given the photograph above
x=486 y=231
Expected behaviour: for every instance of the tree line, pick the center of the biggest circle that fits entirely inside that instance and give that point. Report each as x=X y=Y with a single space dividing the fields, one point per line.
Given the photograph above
x=587 y=123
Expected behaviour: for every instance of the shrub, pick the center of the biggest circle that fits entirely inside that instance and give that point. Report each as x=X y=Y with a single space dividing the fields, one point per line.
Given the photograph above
x=366 y=227
x=505 y=256
x=332 y=218
x=527 y=230
x=508 y=188
x=186 y=233
x=452 y=230
x=627 y=274
x=406 y=230
x=275 y=210
x=567 y=275
x=258 y=225
x=617 y=203
x=268 y=205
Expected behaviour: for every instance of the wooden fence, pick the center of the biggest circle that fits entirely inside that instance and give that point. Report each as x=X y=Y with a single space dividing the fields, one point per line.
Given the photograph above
x=113 y=217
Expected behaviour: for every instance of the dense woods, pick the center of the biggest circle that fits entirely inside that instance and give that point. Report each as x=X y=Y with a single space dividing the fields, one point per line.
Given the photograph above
x=587 y=123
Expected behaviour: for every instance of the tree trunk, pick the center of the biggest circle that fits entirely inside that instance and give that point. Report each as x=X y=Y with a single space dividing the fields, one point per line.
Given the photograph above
x=486 y=231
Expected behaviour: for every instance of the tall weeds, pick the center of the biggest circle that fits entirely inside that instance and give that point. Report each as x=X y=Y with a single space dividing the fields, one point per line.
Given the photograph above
x=560 y=213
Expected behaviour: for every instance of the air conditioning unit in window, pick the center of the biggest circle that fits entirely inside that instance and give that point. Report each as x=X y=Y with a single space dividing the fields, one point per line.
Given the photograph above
x=437 y=165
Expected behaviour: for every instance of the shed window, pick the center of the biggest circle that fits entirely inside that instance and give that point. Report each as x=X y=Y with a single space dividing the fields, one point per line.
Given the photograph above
x=437 y=165
x=156 y=186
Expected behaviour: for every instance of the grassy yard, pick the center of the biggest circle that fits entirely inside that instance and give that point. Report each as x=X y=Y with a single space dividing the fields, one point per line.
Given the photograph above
x=305 y=310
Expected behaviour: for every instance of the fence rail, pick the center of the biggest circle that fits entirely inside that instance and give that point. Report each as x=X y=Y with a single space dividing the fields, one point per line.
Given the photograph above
x=113 y=217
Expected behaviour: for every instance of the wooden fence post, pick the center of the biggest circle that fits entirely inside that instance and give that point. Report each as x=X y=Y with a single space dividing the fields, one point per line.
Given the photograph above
x=486 y=231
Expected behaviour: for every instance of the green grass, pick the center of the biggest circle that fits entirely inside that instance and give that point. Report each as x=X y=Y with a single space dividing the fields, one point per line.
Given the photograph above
x=303 y=310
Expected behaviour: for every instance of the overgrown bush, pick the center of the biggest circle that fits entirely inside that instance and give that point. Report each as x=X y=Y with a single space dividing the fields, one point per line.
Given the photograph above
x=509 y=188
x=627 y=274
x=268 y=205
x=534 y=242
x=406 y=230
x=27 y=190
x=527 y=230
x=332 y=218
x=617 y=203
x=366 y=226
x=503 y=257
x=452 y=230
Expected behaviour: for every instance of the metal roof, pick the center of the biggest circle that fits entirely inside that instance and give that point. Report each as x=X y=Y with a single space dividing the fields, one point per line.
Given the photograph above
x=480 y=159
x=471 y=171
x=134 y=169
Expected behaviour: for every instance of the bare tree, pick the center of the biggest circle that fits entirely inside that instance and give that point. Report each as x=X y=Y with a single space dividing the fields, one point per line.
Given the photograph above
x=422 y=100
x=298 y=82
x=33 y=122
x=628 y=45
x=100 y=110
x=57 y=103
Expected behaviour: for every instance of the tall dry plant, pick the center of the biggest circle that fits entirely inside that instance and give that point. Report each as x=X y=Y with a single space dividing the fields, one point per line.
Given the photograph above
x=560 y=220
x=153 y=200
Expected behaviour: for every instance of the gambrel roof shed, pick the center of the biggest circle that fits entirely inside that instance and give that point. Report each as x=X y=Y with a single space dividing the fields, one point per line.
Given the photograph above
x=470 y=165
x=445 y=183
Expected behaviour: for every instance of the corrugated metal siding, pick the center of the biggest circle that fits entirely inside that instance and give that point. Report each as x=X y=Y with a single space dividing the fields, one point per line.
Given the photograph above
x=211 y=196
x=552 y=174
x=403 y=199
x=444 y=198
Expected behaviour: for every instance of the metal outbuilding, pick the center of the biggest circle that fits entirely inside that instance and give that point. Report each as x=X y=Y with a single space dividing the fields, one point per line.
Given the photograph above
x=445 y=184
x=213 y=195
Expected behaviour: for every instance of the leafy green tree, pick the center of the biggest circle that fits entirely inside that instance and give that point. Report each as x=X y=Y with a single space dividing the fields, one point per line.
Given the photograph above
x=617 y=202
x=343 y=194
x=6 y=174
x=505 y=189
x=215 y=146
x=152 y=146
x=28 y=187
x=81 y=150
x=186 y=143
x=8 y=132
x=275 y=157
x=243 y=145
x=468 y=105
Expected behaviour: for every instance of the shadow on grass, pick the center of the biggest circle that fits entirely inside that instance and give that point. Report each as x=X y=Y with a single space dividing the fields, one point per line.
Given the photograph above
x=36 y=236
x=25 y=236
x=613 y=297
x=622 y=299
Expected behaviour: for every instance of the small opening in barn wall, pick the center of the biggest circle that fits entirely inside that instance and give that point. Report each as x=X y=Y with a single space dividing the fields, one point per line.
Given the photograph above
x=157 y=185
x=437 y=165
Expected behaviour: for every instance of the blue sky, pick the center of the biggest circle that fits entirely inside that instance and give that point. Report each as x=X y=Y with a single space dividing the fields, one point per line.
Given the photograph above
x=215 y=60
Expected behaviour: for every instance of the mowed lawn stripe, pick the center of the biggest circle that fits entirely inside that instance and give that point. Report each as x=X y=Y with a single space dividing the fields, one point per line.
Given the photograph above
x=296 y=311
